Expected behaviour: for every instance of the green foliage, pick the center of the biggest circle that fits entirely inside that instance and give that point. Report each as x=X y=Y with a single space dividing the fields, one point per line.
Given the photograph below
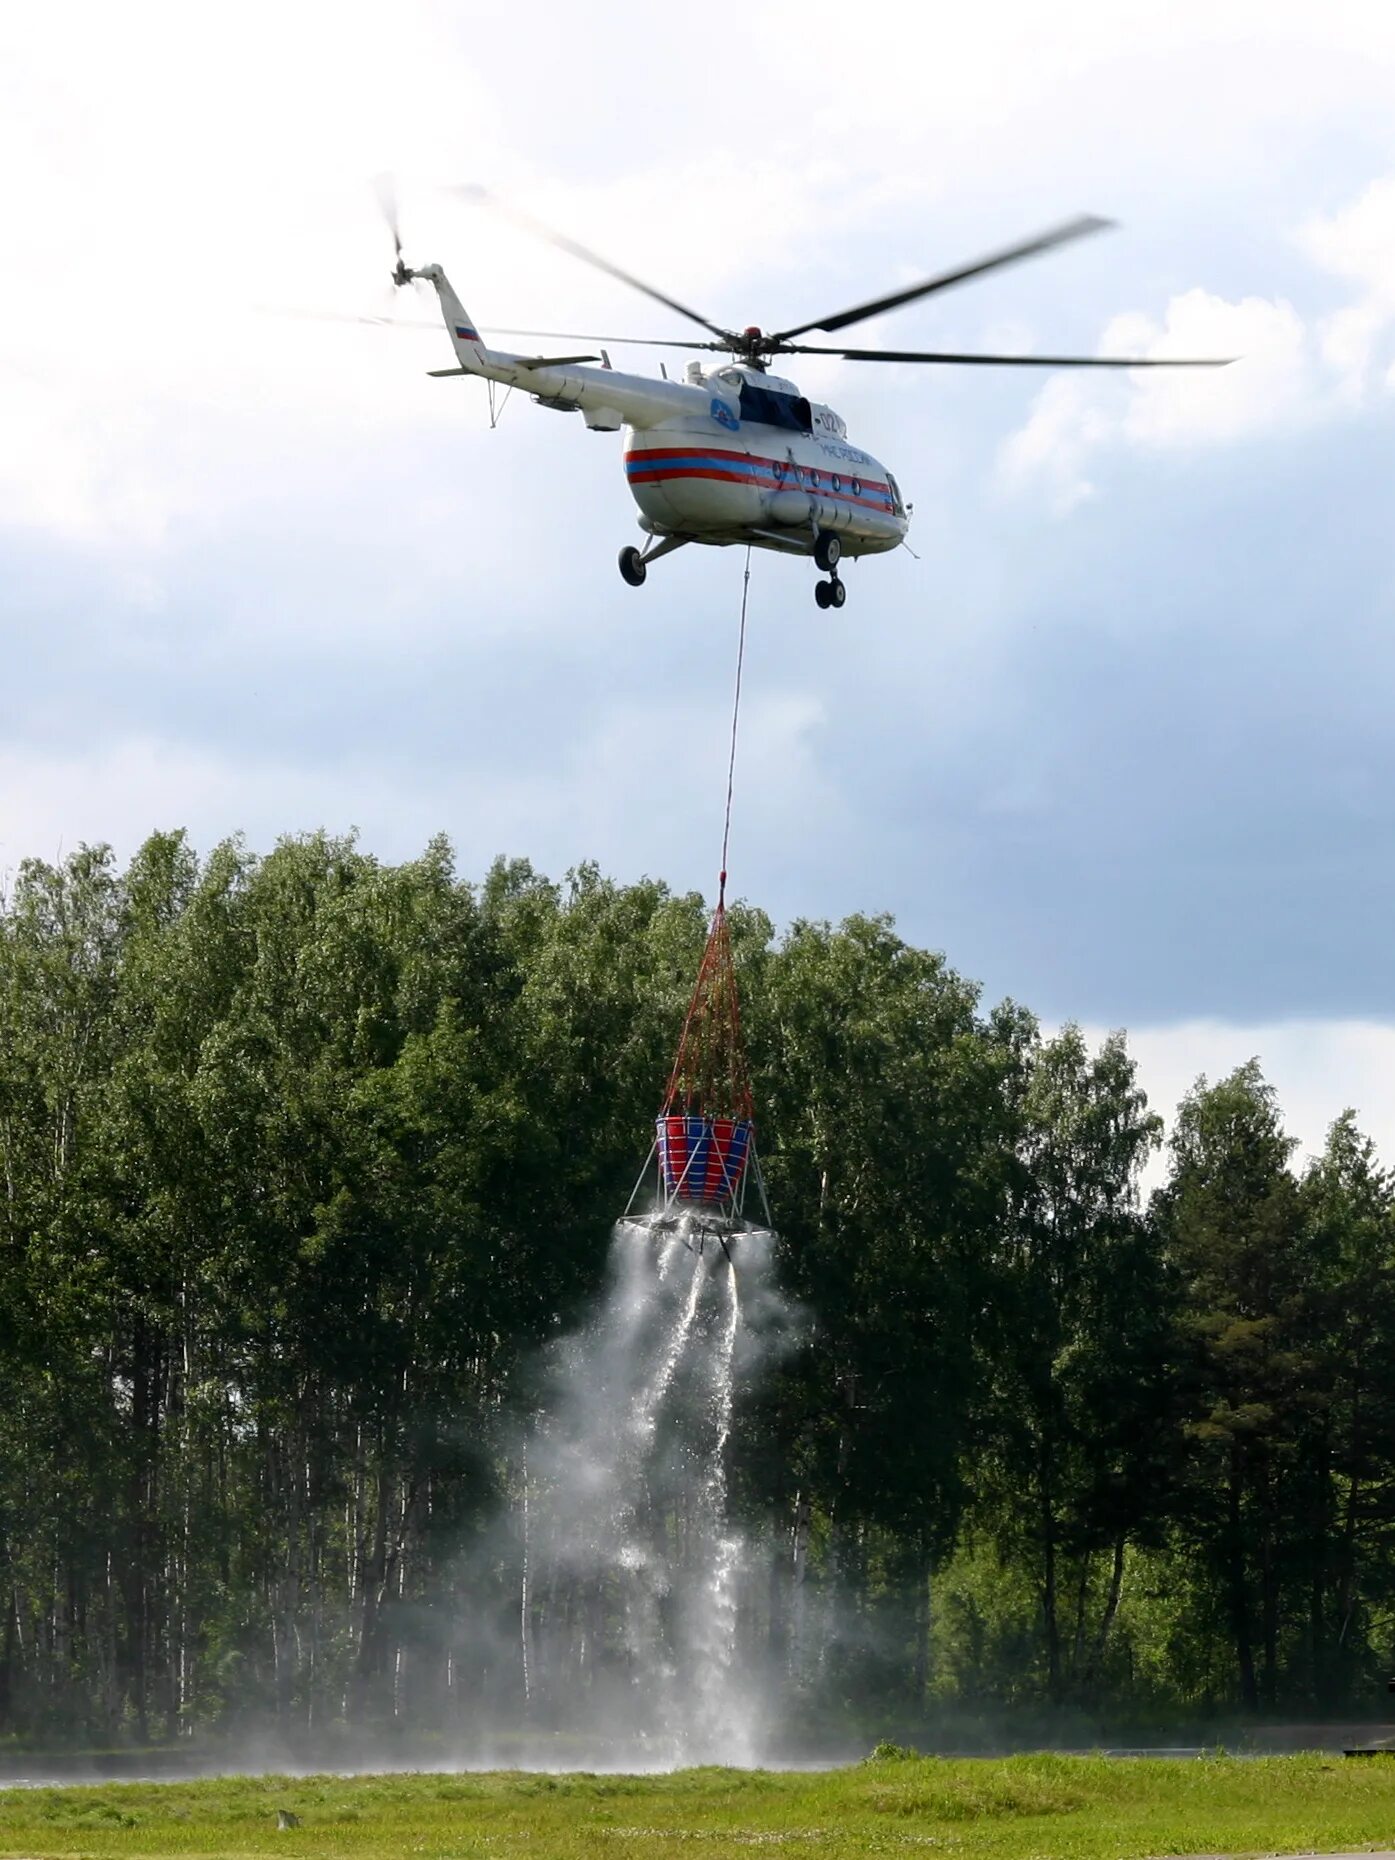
x=303 y=1158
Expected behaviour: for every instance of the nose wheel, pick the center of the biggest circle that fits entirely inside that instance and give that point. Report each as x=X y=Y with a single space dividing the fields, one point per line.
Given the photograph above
x=634 y=563
x=830 y=593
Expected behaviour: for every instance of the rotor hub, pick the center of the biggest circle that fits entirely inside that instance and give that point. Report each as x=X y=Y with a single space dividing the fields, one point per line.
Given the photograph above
x=753 y=346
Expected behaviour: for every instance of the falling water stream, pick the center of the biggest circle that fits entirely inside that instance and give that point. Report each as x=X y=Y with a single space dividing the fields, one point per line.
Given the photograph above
x=633 y=1606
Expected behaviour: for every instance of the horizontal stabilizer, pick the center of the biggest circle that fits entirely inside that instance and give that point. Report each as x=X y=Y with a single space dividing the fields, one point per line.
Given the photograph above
x=524 y=361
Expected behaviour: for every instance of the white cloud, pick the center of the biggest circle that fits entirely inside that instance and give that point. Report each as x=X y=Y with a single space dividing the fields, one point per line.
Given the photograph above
x=1287 y=372
x=178 y=167
x=1066 y=425
x=182 y=170
x=955 y=90
x=70 y=469
x=640 y=790
x=1319 y=1068
x=1269 y=385
x=1357 y=244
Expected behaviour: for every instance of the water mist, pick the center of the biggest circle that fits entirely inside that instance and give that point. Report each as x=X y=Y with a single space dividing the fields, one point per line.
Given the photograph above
x=633 y=1570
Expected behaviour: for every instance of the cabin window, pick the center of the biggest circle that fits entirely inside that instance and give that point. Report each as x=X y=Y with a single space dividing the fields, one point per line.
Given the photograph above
x=837 y=483
x=856 y=487
x=768 y=408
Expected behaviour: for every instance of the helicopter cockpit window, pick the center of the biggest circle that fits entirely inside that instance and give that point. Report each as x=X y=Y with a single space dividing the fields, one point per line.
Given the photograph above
x=768 y=408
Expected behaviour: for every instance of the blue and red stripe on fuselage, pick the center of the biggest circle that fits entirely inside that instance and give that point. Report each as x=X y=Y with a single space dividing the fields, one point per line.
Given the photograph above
x=662 y=464
x=721 y=490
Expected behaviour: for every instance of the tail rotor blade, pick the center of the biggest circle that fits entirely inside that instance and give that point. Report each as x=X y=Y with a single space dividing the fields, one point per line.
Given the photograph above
x=385 y=186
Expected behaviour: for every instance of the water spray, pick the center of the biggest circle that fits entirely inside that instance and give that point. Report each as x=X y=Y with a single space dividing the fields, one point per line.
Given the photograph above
x=627 y=1524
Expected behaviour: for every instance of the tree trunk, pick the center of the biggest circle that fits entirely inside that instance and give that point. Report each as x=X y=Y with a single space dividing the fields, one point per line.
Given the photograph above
x=799 y=1565
x=1237 y=1590
x=1094 y=1665
x=375 y=1570
x=920 y=1658
x=1268 y=1593
x=7 y=1660
x=1050 y=1614
x=136 y=1574
x=525 y=1598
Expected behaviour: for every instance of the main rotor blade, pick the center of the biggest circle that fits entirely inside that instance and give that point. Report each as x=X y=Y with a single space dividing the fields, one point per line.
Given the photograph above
x=344 y=316
x=572 y=335
x=588 y=257
x=1014 y=361
x=534 y=335
x=1044 y=242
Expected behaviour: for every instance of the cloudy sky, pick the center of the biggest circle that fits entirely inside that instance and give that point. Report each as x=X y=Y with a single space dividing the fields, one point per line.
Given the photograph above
x=1117 y=738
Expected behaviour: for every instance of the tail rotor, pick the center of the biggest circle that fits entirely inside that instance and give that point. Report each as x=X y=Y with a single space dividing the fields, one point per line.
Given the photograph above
x=386 y=188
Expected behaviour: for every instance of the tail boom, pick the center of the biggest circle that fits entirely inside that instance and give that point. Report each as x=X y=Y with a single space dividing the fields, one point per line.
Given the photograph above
x=606 y=399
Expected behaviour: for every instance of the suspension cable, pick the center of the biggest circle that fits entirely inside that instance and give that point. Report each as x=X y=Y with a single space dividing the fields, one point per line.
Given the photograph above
x=735 y=715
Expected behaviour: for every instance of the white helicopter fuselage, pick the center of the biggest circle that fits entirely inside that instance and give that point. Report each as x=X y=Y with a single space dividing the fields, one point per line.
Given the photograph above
x=720 y=476
x=734 y=455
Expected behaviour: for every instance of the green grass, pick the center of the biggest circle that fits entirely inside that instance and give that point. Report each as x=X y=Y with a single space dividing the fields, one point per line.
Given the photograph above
x=1016 y=1808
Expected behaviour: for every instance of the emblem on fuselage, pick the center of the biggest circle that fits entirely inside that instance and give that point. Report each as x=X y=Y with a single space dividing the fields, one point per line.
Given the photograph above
x=723 y=415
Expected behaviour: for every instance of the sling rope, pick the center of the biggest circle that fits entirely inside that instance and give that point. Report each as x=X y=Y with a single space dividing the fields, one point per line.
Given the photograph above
x=735 y=715
x=705 y=1142
x=710 y=1073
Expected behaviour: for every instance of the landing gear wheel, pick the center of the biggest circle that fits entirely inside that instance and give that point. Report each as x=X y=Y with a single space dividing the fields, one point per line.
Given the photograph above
x=837 y=593
x=823 y=592
x=828 y=551
x=632 y=566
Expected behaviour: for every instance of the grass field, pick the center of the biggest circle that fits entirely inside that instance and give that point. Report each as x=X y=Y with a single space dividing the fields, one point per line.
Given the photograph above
x=1017 y=1808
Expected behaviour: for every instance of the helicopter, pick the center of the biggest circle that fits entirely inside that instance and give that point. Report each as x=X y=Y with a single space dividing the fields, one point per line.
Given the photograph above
x=734 y=454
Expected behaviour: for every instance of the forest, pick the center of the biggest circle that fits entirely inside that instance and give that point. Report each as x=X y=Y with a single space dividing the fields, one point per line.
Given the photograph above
x=308 y=1159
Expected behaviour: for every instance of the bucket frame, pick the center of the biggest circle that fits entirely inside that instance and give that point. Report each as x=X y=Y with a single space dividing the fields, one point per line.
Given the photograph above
x=663 y=1209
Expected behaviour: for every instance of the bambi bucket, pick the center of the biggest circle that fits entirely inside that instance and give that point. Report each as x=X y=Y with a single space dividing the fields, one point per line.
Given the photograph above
x=702 y=1159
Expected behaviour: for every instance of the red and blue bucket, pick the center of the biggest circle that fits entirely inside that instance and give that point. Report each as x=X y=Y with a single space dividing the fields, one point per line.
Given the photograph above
x=702 y=1159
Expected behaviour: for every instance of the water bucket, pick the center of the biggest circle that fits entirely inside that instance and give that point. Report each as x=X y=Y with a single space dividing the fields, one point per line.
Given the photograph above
x=702 y=1159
